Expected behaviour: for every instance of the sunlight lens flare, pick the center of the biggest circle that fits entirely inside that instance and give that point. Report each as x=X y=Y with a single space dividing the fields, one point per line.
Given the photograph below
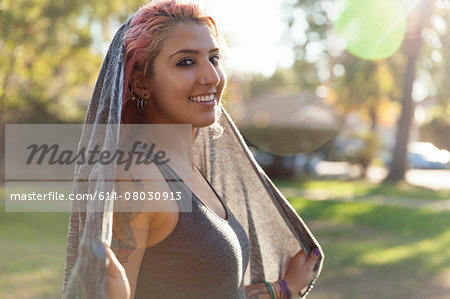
x=372 y=29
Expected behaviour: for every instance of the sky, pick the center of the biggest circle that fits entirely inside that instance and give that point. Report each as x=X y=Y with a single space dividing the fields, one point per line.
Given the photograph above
x=254 y=30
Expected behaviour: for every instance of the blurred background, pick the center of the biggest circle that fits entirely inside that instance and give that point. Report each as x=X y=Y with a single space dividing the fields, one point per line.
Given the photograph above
x=344 y=103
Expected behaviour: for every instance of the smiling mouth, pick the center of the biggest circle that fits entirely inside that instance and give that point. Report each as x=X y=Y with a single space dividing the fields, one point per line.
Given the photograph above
x=208 y=98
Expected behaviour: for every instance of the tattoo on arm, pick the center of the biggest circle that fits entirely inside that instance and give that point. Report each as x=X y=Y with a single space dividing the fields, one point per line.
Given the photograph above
x=124 y=243
x=256 y=291
x=137 y=183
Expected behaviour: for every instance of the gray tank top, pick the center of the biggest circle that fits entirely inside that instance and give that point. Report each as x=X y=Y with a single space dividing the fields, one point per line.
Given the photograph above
x=205 y=256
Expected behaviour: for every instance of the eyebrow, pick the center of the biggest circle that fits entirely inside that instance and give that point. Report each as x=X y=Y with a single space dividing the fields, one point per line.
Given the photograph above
x=191 y=51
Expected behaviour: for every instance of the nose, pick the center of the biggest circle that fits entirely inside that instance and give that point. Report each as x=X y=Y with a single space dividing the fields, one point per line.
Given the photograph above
x=209 y=75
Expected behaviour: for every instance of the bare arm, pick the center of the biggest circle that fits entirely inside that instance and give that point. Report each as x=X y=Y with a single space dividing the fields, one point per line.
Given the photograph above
x=133 y=232
x=300 y=272
x=130 y=235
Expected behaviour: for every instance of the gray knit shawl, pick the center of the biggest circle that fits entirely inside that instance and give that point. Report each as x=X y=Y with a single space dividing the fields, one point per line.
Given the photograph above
x=275 y=230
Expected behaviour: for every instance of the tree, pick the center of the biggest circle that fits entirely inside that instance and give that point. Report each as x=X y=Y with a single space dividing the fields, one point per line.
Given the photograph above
x=50 y=54
x=354 y=84
x=412 y=47
x=367 y=84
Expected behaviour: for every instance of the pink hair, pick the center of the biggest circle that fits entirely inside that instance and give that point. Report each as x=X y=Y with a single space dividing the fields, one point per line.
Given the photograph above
x=149 y=28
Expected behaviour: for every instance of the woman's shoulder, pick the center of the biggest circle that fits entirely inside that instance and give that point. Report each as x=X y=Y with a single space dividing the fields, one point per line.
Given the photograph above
x=147 y=187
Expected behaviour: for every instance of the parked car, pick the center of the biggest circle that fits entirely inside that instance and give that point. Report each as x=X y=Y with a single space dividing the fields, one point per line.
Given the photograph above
x=425 y=155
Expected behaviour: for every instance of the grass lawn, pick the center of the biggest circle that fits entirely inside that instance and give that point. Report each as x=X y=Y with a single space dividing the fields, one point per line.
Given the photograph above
x=372 y=250
x=375 y=251
x=362 y=188
x=32 y=247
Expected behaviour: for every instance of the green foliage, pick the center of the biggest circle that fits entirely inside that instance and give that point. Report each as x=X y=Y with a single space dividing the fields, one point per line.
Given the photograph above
x=33 y=250
x=435 y=62
x=369 y=86
x=366 y=152
x=361 y=85
x=365 y=83
x=377 y=251
x=282 y=82
x=50 y=54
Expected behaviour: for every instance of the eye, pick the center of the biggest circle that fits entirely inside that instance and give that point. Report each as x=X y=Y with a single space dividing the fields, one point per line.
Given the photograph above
x=215 y=59
x=185 y=62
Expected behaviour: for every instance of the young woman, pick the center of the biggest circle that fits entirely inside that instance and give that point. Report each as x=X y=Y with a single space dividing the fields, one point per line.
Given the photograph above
x=173 y=75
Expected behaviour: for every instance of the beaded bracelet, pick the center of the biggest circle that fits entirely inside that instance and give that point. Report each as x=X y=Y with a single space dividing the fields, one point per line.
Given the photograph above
x=275 y=293
x=283 y=293
x=285 y=288
x=269 y=287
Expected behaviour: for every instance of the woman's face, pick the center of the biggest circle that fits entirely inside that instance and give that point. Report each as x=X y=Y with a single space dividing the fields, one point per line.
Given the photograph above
x=179 y=94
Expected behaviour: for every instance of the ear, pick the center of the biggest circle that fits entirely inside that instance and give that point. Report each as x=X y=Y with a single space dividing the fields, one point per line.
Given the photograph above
x=141 y=87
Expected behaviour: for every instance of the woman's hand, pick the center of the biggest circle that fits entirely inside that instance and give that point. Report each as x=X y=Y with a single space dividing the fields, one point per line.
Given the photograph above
x=118 y=286
x=300 y=270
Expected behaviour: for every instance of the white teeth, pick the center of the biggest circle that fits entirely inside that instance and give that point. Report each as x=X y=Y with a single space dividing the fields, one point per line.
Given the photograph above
x=202 y=98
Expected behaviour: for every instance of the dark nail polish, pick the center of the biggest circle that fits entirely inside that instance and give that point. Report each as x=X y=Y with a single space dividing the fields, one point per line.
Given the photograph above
x=316 y=252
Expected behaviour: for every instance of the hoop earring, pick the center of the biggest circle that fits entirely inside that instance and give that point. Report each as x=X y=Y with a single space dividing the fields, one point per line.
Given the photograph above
x=141 y=103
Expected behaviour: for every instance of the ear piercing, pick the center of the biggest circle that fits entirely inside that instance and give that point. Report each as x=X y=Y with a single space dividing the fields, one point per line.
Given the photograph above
x=141 y=103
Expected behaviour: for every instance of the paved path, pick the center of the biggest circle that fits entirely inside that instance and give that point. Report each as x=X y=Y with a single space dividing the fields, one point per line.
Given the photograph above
x=428 y=178
x=437 y=205
x=431 y=179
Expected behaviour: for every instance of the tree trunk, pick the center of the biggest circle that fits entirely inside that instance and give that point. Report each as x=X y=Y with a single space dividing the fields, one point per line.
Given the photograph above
x=412 y=46
x=373 y=118
x=399 y=157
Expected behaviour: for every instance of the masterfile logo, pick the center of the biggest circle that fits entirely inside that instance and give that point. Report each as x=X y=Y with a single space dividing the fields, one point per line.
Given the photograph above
x=120 y=164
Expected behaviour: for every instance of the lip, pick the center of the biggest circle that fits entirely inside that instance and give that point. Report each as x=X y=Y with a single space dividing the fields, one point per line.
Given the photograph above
x=203 y=94
x=208 y=93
